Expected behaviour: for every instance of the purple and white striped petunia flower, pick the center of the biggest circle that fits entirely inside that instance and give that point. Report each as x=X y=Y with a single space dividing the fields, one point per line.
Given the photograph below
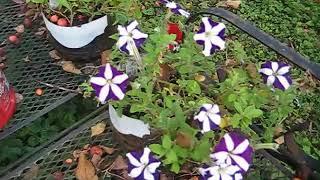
x=109 y=83
x=143 y=166
x=233 y=149
x=208 y=117
x=175 y=8
x=211 y=36
x=130 y=34
x=276 y=74
x=221 y=172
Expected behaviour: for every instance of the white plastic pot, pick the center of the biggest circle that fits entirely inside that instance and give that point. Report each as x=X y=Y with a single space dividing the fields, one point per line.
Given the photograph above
x=77 y=36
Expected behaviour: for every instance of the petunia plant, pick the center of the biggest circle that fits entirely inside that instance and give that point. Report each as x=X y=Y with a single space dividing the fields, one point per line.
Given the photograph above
x=204 y=119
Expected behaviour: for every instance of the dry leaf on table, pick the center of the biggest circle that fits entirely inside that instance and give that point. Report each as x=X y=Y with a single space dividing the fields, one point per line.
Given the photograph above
x=31 y=173
x=54 y=55
x=20 y=28
x=105 y=56
x=235 y=4
x=41 y=31
x=71 y=68
x=119 y=164
x=279 y=140
x=108 y=150
x=98 y=129
x=85 y=170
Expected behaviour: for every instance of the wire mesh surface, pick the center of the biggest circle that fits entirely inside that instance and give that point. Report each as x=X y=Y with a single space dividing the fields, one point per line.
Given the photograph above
x=29 y=63
x=52 y=159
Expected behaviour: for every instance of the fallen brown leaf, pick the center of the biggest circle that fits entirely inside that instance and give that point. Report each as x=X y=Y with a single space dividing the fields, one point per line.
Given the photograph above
x=252 y=70
x=98 y=129
x=184 y=140
x=108 y=150
x=76 y=153
x=54 y=55
x=41 y=31
x=19 y=98
x=279 y=140
x=85 y=170
x=71 y=68
x=119 y=164
x=31 y=173
x=95 y=160
x=235 y=4
x=20 y=28
x=105 y=56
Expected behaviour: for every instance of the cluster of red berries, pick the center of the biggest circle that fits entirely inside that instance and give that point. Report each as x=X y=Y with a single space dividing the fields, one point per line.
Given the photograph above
x=59 y=21
x=16 y=38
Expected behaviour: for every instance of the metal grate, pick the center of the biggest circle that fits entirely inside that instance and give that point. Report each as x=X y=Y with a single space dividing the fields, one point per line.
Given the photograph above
x=24 y=76
x=52 y=159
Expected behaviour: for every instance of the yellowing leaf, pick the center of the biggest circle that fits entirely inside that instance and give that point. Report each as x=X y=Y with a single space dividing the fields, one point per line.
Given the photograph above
x=98 y=129
x=85 y=170
x=108 y=150
x=235 y=4
x=71 y=68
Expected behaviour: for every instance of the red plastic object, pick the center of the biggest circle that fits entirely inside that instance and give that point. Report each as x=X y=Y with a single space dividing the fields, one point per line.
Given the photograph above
x=173 y=28
x=7 y=101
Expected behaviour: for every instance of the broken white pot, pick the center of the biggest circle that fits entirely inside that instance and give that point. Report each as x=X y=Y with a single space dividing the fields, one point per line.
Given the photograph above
x=127 y=125
x=77 y=36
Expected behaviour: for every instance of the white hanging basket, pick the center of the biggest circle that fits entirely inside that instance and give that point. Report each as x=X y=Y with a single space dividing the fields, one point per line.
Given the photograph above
x=77 y=36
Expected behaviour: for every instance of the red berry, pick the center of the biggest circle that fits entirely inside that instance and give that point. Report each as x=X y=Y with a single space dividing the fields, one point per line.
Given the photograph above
x=96 y=150
x=39 y=92
x=14 y=39
x=27 y=22
x=54 y=18
x=62 y=22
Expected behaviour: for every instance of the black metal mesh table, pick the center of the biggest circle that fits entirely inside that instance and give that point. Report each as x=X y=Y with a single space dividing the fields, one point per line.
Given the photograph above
x=27 y=64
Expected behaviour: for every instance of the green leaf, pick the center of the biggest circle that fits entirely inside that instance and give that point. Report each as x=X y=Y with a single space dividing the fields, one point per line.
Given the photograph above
x=157 y=149
x=166 y=142
x=171 y=157
x=235 y=120
x=65 y=4
x=251 y=112
x=238 y=107
x=181 y=152
x=175 y=167
x=202 y=151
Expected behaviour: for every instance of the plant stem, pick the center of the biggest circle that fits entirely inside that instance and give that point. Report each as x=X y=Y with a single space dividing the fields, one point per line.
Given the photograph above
x=272 y=146
x=59 y=87
x=136 y=53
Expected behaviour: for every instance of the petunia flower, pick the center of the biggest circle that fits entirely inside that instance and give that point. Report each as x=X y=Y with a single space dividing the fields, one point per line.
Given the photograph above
x=130 y=34
x=276 y=74
x=221 y=172
x=211 y=36
x=173 y=28
x=209 y=117
x=233 y=149
x=175 y=8
x=109 y=83
x=143 y=166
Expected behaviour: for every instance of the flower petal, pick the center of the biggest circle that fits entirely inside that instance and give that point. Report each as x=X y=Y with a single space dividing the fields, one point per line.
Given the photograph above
x=207 y=106
x=241 y=162
x=241 y=147
x=122 y=31
x=202 y=116
x=207 y=24
x=238 y=176
x=98 y=81
x=117 y=91
x=104 y=92
x=122 y=41
x=153 y=167
x=218 y=28
x=283 y=70
x=207 y=47
x=171 y=5
x=215 y=118
x=231 y=170
x=266 y=71
x=132 y=26
x=199 y=36
x=136 y=34
x=120 y=78
x=147 y=175
x=108 y=74
x=133 y=160
x=274 y=66
x=206 y=126
x=135 y=172
x=270 y=80
x=216 y=40
x=215 y=109
x=225 y=176
x=222 y=155
x=229 y=142
x=214 y=177
x=184 y=13
x=145 y=156
x=284 y=82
